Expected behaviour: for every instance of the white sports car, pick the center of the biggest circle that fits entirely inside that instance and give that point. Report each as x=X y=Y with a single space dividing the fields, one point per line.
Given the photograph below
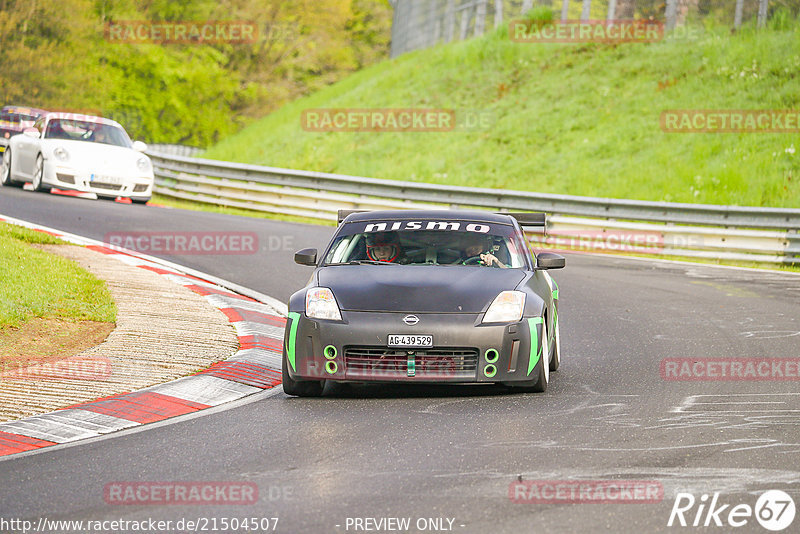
x=79 y=153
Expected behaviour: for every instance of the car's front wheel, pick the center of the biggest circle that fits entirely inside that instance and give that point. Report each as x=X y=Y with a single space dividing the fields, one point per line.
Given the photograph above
x=6 y=179
x=299 y=388
x=38 y=176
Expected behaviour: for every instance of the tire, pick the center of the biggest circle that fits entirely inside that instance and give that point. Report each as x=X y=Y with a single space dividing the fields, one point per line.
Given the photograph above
x=299 y=388
x=6 y=179
x=538 y=384
x=555 y=358
x=38 y=176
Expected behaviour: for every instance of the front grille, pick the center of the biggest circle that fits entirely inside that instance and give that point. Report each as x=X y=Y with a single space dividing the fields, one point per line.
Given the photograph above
x=376 y=363
x=110 y=187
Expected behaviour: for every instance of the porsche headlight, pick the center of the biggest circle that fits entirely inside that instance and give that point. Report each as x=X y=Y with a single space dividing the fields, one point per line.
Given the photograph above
x=321 y=304
x=507 y=307
x=143 y=164
x=61 y=153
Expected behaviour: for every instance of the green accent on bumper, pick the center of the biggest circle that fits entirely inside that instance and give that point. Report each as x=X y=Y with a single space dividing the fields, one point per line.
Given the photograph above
x=330 y=352
x=295 y=318
x=412 y=365
x=535 y=352
x=490 y=370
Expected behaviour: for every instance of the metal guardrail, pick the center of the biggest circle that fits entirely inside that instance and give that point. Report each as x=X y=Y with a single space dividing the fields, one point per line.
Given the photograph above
x=730 y=232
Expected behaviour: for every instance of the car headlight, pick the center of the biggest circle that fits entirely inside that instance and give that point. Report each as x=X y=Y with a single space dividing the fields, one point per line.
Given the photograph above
x=61 y=153
x=507 y=307
x=143 y=164
x=321 y=304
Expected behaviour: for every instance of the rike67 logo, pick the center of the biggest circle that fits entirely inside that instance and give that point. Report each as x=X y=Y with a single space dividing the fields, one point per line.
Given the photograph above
x=774 y=510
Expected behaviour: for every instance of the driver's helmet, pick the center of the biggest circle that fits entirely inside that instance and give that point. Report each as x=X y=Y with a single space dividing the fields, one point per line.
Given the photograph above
x=383 y=239
x=475 y=241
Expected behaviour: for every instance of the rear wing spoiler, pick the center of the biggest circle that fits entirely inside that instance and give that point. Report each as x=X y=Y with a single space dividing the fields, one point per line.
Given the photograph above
x=344 y=213
x=525 y=219
x=529 y=219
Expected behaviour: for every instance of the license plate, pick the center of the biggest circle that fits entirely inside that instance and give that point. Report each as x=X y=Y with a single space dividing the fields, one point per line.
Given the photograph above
x=405 y=340
x=105 y=179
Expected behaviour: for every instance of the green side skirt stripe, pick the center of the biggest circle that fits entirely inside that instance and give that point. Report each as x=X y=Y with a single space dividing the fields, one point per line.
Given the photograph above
x=535 y=352
x=295 y=318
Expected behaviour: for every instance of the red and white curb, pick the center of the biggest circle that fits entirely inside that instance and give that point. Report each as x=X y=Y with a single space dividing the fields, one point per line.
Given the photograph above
x=254 y=368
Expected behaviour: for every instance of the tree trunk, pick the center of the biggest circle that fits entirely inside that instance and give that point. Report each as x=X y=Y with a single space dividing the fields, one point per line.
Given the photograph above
x=527 y=5
x=498 y=13
x=480 y=17
x=762 y=13
x=612 y=10
x=449 y=20
x=587 y=9
x=671 y=14
x=737 y=21
x=626 y=9
x=564 y=9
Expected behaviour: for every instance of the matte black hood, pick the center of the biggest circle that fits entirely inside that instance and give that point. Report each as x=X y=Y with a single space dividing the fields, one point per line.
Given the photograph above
x=417 y=288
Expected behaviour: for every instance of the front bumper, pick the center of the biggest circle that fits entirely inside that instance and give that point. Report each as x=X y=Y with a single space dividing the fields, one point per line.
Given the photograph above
x=67 y=178
x=463 y=351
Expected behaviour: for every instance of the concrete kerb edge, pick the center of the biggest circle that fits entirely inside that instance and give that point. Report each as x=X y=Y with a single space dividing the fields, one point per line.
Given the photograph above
x=224 y=382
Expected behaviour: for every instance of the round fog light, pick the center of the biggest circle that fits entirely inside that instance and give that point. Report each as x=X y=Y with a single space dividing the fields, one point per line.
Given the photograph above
x=491 y=356
x=490 y=370
x=331 y=367
x=330 y=352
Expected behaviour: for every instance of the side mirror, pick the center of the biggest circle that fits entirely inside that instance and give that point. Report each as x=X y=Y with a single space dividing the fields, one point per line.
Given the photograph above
x=307 y=256
x=139 y=146
x=549 y=260
x=31 y=132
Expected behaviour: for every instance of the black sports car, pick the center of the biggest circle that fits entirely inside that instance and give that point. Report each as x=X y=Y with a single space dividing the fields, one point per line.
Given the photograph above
x=425 y=296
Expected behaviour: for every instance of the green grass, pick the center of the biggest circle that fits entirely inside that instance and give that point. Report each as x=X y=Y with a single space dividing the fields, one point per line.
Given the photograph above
x=39 y=284
x=569 y=119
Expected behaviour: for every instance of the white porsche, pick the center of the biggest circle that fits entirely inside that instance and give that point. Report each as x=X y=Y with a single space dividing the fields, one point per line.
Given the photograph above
x=80 y=153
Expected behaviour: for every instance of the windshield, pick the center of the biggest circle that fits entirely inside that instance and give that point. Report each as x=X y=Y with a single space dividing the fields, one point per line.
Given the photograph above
x=94 y=132
x=428 y=243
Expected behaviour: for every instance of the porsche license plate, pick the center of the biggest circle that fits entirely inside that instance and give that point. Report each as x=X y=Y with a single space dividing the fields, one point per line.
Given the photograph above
x=406 y=340
x=105 y=179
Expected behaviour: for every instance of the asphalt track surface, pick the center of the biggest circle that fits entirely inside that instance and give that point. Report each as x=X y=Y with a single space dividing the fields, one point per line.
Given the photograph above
x=452 y=452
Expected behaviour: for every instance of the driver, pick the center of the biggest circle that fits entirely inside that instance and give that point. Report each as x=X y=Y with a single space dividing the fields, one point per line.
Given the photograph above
x=383 y=246
x=100 y=136
x=475 y=252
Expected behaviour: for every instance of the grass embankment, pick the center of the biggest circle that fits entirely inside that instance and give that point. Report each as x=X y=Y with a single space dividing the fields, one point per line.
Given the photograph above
x=50 y=307
x=565 y=118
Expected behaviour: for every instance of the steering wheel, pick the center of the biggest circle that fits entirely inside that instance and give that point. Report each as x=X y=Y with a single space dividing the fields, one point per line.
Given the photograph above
x=472 y=260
